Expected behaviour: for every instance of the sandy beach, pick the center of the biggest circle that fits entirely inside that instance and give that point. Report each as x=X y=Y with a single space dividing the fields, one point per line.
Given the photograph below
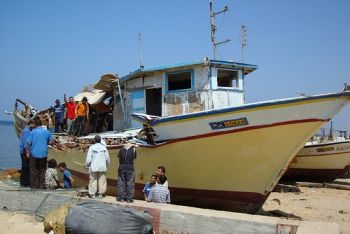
x=310 y=204
x=314 y=204
x=16 y=222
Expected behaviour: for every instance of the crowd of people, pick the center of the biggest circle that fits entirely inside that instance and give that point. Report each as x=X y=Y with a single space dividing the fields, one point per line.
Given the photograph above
x=97 y=162
x=38 y=173
x=72 y=115
x=79 y=118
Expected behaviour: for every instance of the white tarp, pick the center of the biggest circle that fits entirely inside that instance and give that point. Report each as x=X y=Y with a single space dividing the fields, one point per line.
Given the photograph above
x=94 y=96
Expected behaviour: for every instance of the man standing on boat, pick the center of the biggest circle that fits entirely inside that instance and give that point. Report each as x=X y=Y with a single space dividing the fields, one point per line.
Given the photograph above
x=126 y=173
x=58 y=109
x=24 y=179
x=97 y=160
x=37 y=151
x=70 y=112
x=82 y=114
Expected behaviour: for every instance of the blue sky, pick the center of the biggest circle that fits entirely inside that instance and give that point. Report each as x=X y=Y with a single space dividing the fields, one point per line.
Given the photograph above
x=48 y=48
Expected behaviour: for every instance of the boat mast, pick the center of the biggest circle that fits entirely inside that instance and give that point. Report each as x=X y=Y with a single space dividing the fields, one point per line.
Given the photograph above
x=213 y=28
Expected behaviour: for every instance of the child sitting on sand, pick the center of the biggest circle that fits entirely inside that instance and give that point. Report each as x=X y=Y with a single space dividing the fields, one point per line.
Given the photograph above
x=51 y=179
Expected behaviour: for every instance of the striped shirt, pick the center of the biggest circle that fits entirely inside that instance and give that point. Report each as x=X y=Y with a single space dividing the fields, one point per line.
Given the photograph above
x=159 y=194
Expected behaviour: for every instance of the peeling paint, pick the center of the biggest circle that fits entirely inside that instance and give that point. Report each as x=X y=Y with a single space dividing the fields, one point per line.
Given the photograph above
x=195 y=102
x=135 y=83
x=174 y=104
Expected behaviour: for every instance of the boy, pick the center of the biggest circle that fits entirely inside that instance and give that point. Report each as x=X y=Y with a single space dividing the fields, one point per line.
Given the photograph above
x=67 y=176
x=149 y=185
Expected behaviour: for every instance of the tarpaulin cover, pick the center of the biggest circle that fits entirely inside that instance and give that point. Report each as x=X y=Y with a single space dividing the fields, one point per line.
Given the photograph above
x=94 y=96
x=100 y=218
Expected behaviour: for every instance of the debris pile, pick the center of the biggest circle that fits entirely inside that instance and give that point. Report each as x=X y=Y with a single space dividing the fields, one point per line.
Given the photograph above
x=64 y=142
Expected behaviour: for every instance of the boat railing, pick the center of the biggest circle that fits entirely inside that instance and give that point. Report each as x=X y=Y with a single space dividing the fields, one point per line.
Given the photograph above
x=26 y=111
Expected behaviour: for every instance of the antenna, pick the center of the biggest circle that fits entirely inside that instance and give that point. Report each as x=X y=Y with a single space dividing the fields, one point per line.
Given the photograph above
x=140 y=52
x=243 y=39
x=213 y=28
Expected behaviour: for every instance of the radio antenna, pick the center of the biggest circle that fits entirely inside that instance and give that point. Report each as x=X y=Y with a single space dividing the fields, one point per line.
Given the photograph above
x=213 y=28
x=140 y=53
x=243 y=39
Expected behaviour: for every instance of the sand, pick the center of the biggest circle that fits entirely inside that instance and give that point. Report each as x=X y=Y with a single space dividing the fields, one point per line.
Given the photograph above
x=310 y=204
x=314 y=204
x=15 y=222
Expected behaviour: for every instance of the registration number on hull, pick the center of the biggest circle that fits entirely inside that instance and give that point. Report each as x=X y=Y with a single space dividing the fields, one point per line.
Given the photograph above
x=228 y=123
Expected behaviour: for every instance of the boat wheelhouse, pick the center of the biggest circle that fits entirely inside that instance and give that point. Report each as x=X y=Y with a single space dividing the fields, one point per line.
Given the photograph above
x=181 y=88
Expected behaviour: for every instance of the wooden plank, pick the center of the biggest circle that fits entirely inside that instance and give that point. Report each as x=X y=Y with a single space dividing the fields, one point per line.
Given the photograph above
x=337 y=186
x=309 y=184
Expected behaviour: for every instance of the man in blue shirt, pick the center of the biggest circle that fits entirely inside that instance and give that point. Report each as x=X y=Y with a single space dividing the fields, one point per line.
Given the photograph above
x=58 y=109
x=37 y=142
x=24 y=179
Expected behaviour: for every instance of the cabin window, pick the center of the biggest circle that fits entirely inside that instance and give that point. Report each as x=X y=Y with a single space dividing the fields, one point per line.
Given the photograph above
x=227 y=78
x=179 y=80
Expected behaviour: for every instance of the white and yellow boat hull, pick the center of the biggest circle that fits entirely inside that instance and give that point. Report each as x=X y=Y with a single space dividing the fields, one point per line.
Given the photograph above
x=320 y=162
x=234 y=163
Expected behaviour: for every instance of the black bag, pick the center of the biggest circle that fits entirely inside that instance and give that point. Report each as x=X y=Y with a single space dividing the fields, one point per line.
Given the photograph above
x=100 y=218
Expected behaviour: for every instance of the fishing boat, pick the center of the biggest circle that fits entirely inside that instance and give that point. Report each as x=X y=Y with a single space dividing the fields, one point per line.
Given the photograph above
x=191 y=117
x=323 y=158
x=218 y=151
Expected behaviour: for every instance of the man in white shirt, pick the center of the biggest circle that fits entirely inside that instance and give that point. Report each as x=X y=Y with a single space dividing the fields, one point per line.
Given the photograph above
x=159 y=193
x=97 y=160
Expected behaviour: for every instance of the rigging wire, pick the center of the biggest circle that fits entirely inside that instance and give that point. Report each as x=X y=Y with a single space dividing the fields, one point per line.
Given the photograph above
x=222 y=21
x=220 y=56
